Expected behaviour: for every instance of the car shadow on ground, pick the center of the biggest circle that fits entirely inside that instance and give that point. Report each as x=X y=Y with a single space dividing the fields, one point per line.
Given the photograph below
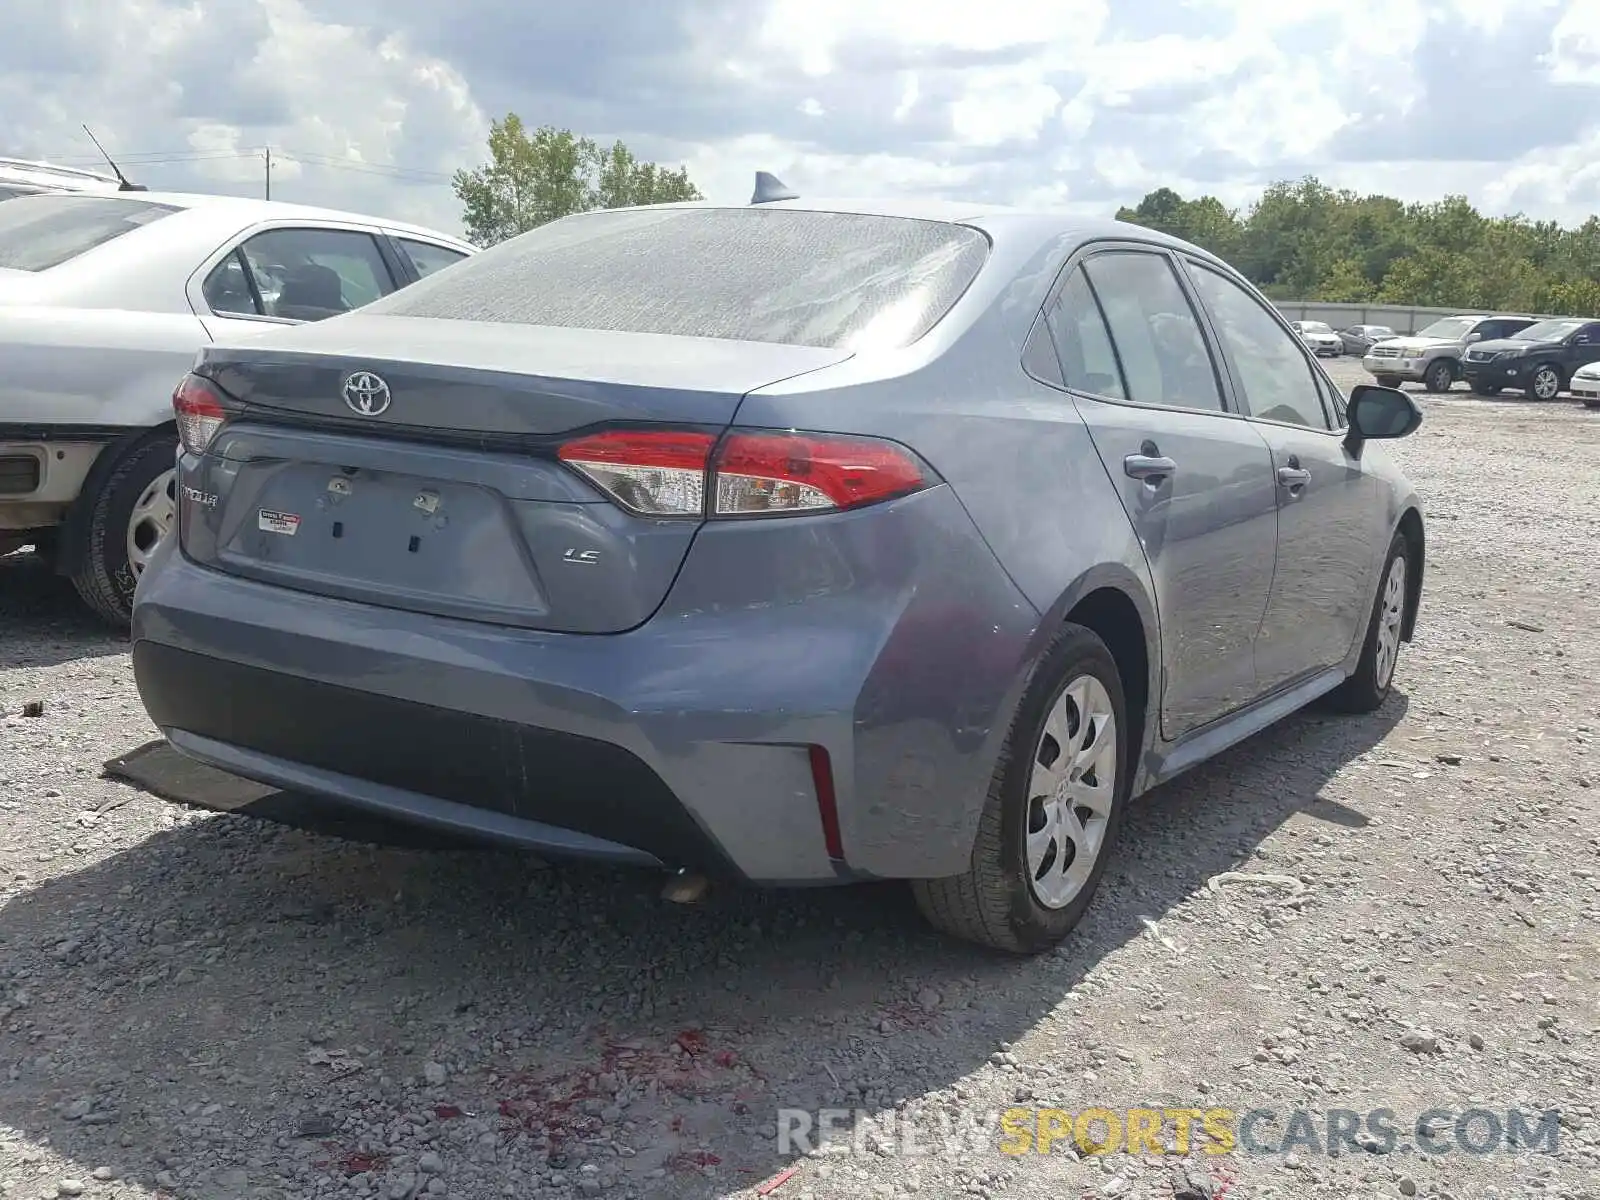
x=230 y=968
x=42 y=619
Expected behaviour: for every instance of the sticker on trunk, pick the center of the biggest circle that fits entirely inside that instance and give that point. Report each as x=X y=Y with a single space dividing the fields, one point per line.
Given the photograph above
x=277 y=522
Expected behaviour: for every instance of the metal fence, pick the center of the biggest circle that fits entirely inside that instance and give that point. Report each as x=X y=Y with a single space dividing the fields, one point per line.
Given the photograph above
x=1402 y=318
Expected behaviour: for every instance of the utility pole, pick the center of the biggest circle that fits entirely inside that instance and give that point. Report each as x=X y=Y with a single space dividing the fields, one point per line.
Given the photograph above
x=269 y=172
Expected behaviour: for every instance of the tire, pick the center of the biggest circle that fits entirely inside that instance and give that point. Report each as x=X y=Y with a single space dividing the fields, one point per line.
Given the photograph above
x=1544 y=383
x=115 y=550
x=1439 y=376
x=996 y=902
x=1388 y=381
x=1485 y=389
x=1367 y=689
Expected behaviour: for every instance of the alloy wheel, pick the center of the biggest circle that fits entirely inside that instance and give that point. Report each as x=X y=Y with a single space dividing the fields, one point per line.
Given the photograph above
x=1390 y=617
x=1071 y=790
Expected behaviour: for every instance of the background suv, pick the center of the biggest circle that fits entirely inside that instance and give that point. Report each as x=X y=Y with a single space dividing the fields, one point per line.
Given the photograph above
x=1539 y=359
x=1433 y=355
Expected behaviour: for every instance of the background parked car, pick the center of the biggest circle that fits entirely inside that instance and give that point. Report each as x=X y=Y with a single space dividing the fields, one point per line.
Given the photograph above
x=1586 y=385
x=1432 y=356
x=22 y=177
x=104 y=299
x=1358 y=339
x=1319 y=338
x=1539 y=359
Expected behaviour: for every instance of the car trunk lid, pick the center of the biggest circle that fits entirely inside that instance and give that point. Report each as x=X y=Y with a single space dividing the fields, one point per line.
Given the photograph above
x=412 y=464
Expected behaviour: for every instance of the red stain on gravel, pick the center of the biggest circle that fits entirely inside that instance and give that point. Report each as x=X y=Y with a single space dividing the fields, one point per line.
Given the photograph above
x=553 y=1104
x=692 y=1041
x=361 y=1164
x=693 y=1160
x=446 y=1112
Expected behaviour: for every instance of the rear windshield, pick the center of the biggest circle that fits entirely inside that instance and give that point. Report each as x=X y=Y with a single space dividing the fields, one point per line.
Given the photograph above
x=833 y=280
x=40 y=232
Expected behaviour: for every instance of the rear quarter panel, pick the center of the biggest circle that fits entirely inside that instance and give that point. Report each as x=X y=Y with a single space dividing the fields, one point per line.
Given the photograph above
x=1014 y=451
x=94 y=367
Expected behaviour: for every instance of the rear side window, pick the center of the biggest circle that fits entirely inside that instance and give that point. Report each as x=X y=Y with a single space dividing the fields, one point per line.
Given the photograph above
x=1087 y=359
x=834 y=280
x=427 y=257
x=40 y=232
x=299 y=275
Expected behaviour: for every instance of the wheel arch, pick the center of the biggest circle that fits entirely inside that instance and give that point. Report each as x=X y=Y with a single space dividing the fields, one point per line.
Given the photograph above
x=1114 y=603
x=1410 y=527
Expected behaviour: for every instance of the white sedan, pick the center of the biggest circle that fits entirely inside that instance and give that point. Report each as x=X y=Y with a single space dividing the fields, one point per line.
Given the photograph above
x=104 y=300
x=1585 y=385
x=1319 y=338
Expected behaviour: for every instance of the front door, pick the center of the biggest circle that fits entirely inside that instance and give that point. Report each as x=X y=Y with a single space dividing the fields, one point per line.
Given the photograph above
x=1195 y=480
x=1330 y=509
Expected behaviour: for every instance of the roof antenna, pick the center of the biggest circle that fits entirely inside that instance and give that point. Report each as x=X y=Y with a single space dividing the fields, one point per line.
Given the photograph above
x=769 y=188
x=122 y=180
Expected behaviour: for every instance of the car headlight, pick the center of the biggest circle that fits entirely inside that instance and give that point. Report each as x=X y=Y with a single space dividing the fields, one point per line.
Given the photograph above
x=1505 y=356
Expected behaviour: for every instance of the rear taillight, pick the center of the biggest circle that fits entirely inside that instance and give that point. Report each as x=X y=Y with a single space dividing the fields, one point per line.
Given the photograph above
x=801 y=472
x=753 y=473
x=661 y=473
x=199 y=408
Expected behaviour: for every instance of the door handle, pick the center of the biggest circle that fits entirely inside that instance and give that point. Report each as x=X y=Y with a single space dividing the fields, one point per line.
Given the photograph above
x=1149 y=467
x=1293 y=477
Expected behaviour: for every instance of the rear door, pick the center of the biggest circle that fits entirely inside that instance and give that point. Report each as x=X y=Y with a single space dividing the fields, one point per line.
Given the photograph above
x=1195 y=479
x=1330 y=509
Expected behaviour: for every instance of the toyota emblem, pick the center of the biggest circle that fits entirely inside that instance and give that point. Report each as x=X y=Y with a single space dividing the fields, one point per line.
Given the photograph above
x=366 y=394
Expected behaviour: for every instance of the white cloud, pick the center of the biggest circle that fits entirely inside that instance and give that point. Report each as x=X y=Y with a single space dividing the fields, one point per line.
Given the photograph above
x=1080 y=102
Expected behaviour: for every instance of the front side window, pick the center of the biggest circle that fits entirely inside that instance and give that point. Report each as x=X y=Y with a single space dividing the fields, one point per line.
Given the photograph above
x=40 y=232
x=790 y=276
x=1156 y=336
x=1270 y=364
x=299 y=275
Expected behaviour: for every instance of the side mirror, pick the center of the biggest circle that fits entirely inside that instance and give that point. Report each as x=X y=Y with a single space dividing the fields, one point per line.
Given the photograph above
x=1379 y=413
x=1474 y=337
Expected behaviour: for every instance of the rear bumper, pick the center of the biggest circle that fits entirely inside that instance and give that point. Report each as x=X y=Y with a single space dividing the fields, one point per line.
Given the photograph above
x=889 y=638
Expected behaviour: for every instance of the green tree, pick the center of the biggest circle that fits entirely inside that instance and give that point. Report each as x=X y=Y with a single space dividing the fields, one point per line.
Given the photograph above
x=535 y=176
x=1305 y=241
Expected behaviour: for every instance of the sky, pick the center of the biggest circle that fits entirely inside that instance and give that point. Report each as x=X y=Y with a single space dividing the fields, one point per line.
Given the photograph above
x=370 y=105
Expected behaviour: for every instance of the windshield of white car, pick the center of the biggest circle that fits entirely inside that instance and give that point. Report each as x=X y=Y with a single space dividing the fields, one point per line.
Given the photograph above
x=1450 y=328
x=797 y=277
x=40 y=232
x=1315 y=327
x=1547 y=331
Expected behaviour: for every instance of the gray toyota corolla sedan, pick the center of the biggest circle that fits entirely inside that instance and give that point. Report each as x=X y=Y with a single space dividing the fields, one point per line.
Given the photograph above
x=800 y=542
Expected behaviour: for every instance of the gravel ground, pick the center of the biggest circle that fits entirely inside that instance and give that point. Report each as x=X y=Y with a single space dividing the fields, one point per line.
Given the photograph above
x=205 y=1006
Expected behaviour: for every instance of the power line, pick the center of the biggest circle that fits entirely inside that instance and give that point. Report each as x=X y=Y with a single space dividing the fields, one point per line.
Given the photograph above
x=150 y=158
